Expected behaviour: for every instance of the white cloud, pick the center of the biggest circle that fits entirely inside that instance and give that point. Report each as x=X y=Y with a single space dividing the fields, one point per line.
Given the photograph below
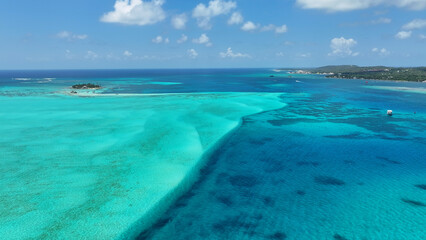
x=204 y=13
x=279 y=54
x=411 y=4
x=158 y=39
x=281 y=29
x=68 y=54
x=182 y=39
x=349 y=5
x=80 y=37
x=304 y=55
x=403 y=34
x=91 y=55
x=127 y=53
x=342 y=47
x=192 y=53
x=382 y=21
x=336 y=5
x=249 y=26
x=384 y=52
x=415 y=24
x=136 y=12
x=270 y=27
x=230 y=54
x=179 y=21
x=236 y=18
x=203 y=39
x=381 y=52
x=71 y=36
x=63 y=34
x=422 y=36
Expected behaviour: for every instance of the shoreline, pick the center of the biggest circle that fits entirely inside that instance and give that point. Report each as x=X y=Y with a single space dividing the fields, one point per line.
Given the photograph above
x=371 y=79
x=365 y=79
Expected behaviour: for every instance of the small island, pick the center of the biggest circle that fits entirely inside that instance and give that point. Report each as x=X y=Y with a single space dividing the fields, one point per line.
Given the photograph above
x=86 y=86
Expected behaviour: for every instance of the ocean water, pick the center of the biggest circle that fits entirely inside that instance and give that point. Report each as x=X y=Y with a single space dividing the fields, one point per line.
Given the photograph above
x=210 y=154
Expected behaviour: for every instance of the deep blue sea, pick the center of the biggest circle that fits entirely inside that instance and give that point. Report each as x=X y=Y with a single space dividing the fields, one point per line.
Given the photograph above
x=327 y=164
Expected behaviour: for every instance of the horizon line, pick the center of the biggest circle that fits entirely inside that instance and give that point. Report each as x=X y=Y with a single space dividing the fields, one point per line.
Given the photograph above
x=213 y=68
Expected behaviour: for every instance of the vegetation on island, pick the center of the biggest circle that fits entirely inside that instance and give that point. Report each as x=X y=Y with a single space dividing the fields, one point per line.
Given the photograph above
x=86 y=86
x=414 y=74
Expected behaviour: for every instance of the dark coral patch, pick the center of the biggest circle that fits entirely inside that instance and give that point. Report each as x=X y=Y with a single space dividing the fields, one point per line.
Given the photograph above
x=274 y=166
x=257 y=142
x=348 y=136
x=339 y=237
x=278 y=236
x=306 y=163
x=162 y=222
x=243 y=181
x=413 y=202
x=326 y=180
x=421 y=186
x=257 y=217
x=290 y=121
x=233 y=223
x=227 y=200
x=388 y=160
x=268 y=201
x=260 y=141
x=300 y=192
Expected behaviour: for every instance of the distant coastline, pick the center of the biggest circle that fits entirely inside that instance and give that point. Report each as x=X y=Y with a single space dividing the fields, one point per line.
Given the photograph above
x=411 y=74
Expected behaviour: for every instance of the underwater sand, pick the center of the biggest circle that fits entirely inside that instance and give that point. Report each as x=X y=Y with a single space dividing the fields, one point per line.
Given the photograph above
x=101 y=168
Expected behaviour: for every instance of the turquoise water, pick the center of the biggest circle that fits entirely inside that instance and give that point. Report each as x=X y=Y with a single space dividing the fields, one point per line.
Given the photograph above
x=300 y=157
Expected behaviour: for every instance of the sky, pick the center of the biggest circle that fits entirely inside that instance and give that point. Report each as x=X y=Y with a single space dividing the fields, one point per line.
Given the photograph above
x=133 y=34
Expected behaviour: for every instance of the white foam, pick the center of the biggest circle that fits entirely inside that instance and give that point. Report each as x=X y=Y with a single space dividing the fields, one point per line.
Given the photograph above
x=400 y=89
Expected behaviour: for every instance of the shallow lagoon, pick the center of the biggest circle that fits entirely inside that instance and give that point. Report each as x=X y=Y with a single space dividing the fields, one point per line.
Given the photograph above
x=325 y=162
x=93 y=167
